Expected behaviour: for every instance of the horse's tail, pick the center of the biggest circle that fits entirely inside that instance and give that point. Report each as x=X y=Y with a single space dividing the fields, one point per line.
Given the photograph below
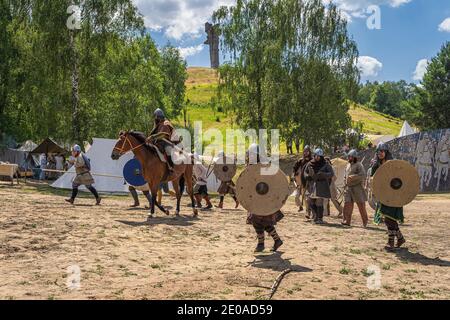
x=182 y=184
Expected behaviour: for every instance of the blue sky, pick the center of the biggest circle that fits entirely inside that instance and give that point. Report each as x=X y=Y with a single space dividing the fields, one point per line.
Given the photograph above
x=411 y=33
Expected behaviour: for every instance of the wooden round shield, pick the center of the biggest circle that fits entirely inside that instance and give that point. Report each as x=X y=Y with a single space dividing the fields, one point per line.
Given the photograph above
x=225 y=169
x=260 y=194
x=396 y=183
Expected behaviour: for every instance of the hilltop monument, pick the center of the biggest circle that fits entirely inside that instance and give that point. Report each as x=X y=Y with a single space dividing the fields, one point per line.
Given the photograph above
x=213 y=42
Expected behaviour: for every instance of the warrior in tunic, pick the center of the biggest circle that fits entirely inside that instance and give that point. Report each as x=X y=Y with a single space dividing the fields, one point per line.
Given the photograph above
x=83 y=174
x=355 y=176
x=161 y=136
x=263 y=224
x=226 y=187
x=301 y=181
x=318 y=174
x=392 y=215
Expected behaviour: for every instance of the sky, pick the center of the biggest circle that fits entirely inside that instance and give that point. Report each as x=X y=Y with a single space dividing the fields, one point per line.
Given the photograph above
x=396 y=38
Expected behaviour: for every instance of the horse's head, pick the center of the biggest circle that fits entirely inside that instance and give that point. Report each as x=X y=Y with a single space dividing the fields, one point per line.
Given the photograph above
x=123 y=145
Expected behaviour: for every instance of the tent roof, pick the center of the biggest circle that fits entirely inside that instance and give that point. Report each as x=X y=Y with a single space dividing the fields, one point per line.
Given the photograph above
x=406 y=130
x=28 y=146
x=49 y=146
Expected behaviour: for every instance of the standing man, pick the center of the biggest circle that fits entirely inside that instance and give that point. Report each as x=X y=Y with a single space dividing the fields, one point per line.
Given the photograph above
x=201 y=188
x=83 y=175
x=300 y=180
x=318 y=174
x=43 y=166
x=263 y=224
x=226 y=187
x=354 y=190
x=59 y=163
x=391 y=215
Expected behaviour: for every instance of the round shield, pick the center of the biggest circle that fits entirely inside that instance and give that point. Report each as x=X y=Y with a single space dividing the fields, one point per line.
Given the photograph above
x=260 y=194
x=396 y=183
x=132 y=173
x=225 y=170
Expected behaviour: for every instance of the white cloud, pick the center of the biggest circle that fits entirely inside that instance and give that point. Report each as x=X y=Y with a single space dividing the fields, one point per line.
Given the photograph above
x=178 y=18
x=445 y=25
x=369 y=67
x=358 y=8
x=190 y=51
x=421 y=69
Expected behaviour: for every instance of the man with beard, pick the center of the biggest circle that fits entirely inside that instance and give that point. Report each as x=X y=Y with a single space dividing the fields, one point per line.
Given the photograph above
x=318 y=174
x=354 y=190
x=300 y=180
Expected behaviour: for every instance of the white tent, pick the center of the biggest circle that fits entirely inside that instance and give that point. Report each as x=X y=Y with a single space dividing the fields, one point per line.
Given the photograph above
x=101 y=163
x=406 y=130
x=376 y=139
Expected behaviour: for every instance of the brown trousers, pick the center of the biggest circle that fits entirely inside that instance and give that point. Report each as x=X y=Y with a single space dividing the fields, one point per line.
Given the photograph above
x=348 y=212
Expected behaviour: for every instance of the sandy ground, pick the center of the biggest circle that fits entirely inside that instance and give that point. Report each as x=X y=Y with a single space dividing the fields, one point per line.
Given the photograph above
x=121 y=256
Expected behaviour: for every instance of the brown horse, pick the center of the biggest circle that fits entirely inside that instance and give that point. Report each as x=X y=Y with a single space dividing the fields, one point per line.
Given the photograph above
x=155 y=170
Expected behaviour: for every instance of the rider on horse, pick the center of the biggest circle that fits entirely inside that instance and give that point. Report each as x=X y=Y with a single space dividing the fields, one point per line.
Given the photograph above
x=161 y=136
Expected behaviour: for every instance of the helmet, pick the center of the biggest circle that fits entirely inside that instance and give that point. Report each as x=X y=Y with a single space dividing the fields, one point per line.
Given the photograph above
x=319 y=152
x=352 y=153
x=307 y=147
x=76 y=148
x=382 y=147
x=159 y=114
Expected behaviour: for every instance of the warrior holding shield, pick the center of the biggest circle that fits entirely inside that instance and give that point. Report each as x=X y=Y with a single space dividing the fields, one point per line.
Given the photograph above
x=262 y=196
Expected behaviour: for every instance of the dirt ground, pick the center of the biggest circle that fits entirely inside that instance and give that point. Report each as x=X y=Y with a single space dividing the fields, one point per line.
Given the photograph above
x=122 y=256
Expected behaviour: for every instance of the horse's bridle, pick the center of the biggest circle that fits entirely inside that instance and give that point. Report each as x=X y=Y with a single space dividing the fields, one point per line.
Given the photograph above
x=122 y=148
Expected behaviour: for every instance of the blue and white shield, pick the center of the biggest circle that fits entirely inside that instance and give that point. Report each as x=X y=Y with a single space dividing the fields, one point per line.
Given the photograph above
x=132 y=172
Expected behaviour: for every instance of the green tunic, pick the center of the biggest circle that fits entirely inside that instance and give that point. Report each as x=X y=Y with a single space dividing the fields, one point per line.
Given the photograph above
x=392 y=213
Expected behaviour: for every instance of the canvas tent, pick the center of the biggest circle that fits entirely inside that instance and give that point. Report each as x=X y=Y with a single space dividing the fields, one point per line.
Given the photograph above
x=376 y=139
x=21 y=156
x=101 y=163
x=48 y=146
x=406 y=130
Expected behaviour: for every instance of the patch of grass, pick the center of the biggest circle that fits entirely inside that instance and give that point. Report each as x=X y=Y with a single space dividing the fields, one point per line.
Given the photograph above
x=367 y=273
x=411 y=271
x=386 y=266
x=355 y=251
x=345 y=271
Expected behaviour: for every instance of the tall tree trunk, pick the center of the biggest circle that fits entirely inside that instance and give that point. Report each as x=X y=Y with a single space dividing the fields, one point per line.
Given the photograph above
x=259 y=104
x=76 y=126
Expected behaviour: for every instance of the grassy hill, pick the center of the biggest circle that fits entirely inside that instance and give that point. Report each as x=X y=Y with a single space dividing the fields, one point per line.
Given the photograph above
x=201 y=86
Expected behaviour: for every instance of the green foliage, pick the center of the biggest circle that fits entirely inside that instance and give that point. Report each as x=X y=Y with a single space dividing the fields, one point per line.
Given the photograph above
x=73 y=85
x=387 y=97
x=430 y=107
x=292 y=67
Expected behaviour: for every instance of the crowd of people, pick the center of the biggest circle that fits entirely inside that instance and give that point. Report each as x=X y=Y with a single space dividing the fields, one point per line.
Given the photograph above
x=314 y=176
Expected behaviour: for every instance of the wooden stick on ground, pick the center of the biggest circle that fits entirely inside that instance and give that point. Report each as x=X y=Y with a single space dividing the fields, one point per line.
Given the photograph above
x=277 y=282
